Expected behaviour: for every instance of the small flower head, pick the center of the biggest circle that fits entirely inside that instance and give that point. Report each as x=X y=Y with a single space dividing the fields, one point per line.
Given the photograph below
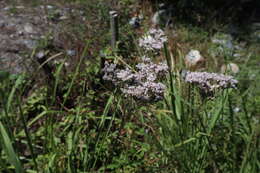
x=153 y=40
x=141 y=84
x=209 y=82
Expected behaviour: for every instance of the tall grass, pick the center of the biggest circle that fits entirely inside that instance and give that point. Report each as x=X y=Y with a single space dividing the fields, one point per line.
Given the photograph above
x=76 y=122
x=200 y=134
x=187 y=132
x=7 y=138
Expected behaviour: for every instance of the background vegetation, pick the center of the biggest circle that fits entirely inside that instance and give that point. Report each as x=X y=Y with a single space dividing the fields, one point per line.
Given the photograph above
x=73 y=121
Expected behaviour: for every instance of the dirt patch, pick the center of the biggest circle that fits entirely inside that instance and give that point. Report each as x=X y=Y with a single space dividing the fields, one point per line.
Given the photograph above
x=22 y=28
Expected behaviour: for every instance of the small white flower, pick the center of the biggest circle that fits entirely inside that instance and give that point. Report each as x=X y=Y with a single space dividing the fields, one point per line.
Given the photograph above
x=210 y=81
x=153 y=40
x=141 y=84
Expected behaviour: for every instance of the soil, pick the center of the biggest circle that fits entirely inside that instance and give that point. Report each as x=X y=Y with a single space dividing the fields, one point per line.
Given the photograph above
x=23 y=29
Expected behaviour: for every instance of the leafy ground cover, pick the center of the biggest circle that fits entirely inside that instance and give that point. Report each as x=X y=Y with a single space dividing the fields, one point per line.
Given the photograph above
x=66 y=117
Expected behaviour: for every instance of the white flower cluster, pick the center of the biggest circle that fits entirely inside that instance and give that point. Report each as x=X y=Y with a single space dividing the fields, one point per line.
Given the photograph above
x=141 y=84
x=209 y=82
x=153 y=40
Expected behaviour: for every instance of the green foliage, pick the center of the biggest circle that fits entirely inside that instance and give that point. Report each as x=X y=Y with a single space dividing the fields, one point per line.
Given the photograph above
x=80 y=123
x=7 y=92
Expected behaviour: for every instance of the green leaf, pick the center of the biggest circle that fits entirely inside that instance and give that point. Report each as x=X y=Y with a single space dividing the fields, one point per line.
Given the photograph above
x=11 y=95
x=4 y=75
x=8 y=148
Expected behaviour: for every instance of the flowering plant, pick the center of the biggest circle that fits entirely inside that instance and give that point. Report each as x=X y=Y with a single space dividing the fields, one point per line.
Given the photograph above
x=153 y=40
x=209 y=82
x=141 y=84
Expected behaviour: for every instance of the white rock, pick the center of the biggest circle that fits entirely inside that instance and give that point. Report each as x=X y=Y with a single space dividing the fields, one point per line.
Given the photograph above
x=71 y=52
x=20 y=33
x=49 y=7
x=193 y=58
x=236 y=109
x=237 y=55
x=63 y=18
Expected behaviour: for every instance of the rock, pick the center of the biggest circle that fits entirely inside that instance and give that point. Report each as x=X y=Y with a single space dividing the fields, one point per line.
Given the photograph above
x=14 y=63
x=223 y=45
x=6 y=8
x=141 y=16
x=50 y=7
x=194 y=59
x=28 y=28
x=163 y=17
x=28 y=43
x=18 y=37
x=237 y=109
x=224 y=40
x=22 y=31
x=63 y=18
x=229 y=68
x=135 y=22
x=237 y=55
x=2 y=23
x=71 y=52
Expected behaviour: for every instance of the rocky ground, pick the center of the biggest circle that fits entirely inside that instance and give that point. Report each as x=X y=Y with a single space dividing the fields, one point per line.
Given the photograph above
x=23 y=30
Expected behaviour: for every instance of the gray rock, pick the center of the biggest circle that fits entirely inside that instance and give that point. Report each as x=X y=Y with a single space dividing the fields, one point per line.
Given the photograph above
x=135 y=22
x=6 y=8
x=29 y=28
x=21 y=32
x=223 y=45
x=18 y=37
x=163 y=16
x=13 y=63
x=30 y=44
x=71 y=52
x=224 y=40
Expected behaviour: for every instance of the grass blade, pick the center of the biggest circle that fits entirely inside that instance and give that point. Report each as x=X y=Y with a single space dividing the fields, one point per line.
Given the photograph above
x=9 y=150
x=11 y=95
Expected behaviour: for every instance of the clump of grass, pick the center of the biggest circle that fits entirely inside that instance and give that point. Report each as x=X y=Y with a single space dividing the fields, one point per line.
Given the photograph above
x=200 y=134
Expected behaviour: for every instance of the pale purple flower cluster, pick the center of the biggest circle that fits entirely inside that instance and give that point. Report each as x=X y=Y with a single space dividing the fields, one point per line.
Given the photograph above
x=141 y=84
x=153 y=40
x=209 y=82
x=109 y=72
